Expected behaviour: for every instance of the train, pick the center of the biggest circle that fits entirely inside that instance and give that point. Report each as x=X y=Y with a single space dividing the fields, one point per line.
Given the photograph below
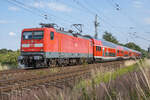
x=48 y=46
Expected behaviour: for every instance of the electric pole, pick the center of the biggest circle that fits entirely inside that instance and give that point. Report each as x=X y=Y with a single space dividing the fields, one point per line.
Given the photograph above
x=149 y=49
x=96 y=24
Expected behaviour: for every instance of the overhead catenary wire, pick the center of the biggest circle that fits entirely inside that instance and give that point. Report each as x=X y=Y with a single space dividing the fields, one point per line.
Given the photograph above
x=32 y=8
x=114 y=4
x=92 y=11
x=36 y=10
x=24 y=8
x=41 y=13
x=71 y=16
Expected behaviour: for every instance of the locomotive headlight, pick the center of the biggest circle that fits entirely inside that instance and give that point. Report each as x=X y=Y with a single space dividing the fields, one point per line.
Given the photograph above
x=38 y=45
x=25 y=45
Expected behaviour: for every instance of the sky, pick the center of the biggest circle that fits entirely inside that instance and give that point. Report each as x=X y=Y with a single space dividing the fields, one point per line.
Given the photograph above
x=127 y=20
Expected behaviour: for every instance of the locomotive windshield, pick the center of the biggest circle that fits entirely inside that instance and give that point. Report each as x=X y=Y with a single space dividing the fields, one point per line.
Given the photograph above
x=27 y=35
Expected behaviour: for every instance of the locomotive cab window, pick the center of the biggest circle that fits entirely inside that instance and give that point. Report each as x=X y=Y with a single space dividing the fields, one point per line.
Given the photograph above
x=28 y=35
x=52 y=35
x=37 y=34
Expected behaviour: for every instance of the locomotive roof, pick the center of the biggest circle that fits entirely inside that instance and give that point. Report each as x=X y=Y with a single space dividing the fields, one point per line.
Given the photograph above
x=74 y=34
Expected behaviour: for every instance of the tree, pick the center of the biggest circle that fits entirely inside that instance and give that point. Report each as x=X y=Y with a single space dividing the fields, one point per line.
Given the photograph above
x=4 y=51
x=108 y=37
x=9 y=57
x=133 y=46
x=138 y=48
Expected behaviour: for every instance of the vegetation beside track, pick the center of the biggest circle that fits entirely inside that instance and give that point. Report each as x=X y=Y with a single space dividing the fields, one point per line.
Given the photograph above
x=99 y=76
x=128 y=83
x=8 y=59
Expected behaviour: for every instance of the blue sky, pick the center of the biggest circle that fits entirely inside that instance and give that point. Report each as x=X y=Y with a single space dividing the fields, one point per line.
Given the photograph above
x=131 y=23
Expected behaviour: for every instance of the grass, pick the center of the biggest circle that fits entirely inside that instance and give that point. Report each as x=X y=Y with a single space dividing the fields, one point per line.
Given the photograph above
x=106 y=77
x=127 y=83
x=3 y=67
x=7 y=66
x=51 y=70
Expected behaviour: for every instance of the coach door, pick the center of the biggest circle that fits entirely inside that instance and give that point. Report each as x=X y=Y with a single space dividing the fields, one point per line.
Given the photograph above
x=103 y=52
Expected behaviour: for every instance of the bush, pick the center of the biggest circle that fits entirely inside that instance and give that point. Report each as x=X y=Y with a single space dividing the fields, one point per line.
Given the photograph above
x=9 y=57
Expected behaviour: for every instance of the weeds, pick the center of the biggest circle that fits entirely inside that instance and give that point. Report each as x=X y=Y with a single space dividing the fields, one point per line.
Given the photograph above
x=3 y=67
x=127 y=83
x=52 y=70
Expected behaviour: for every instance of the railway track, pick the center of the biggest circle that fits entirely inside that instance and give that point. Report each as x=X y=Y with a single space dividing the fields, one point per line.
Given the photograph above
x=11 y=74
x=35 y=80
x=18 y=73
x=64 y=75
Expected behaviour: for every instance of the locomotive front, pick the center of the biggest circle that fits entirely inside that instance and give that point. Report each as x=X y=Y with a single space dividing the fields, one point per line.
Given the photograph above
x=32 y=48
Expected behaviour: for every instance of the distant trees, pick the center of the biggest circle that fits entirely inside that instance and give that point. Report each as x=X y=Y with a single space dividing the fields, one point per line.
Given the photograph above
x=109 y=37
x=5 y=51
x=133 y=46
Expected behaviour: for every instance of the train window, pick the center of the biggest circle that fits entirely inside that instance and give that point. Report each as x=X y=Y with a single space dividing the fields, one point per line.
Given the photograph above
x=118 y=51
x=98 y=48
x=52 y=35
x=114 y=54
x=38 y=34
x=27 y=35
x=110 y=54
x=106 y=53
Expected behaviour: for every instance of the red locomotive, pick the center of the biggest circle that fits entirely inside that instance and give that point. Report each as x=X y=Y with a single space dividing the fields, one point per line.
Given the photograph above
x=48 y=46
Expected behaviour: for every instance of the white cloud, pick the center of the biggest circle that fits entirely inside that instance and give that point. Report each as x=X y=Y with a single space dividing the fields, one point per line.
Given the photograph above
x=147 y=20
x=13 y=8
x=12 y=33
x=137 y=4
x=3 y=22
x=6 y=22
x=59 y=7
x=38 y=4
x=53 y=6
